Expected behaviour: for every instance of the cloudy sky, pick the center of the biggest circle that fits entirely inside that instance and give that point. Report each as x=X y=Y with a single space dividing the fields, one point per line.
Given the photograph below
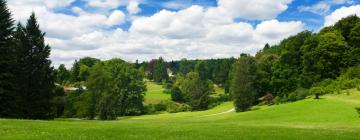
x=174 y=29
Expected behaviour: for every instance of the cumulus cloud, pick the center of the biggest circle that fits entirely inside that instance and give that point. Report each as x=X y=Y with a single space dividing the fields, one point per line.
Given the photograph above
x=193 y=32
x=319 y=8
x=323 y=7
x=341 y=13
x=254 y=9
x=133 y=7
x=117 y=17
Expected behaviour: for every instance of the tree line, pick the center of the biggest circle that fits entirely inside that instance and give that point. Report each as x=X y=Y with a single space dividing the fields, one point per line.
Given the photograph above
x=299 y=66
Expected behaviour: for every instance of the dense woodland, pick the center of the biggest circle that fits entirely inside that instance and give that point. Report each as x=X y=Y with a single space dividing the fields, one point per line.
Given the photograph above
x=308 y=64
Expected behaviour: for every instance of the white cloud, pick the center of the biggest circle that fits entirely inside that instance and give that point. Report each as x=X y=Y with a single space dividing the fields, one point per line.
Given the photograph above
x=116 y=18
x=323 y=7
x=341 y=13
x=177 y=4
x=193 y=32
x=133 y=7
x=106 y=4
x=254 y=9
x=319 y=8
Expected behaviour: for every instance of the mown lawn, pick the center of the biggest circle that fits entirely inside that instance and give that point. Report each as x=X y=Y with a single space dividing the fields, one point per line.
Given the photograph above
x=331 y=118
x=155 y=93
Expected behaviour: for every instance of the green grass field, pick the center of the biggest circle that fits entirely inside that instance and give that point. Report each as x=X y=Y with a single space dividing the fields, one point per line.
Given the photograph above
x=155 y=93
x=331 y=118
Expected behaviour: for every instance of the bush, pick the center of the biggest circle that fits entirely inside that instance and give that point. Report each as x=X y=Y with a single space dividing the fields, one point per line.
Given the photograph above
x=358 y=110
x=268 y=98
x=173 y=107
x=292 y=97
x=176 y=95
x=168 y=106
x=317 y=91
x=280 y=100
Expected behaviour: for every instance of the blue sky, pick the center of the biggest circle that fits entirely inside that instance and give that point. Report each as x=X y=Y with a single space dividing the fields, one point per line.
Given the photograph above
x=174 y=29
x=313 y=21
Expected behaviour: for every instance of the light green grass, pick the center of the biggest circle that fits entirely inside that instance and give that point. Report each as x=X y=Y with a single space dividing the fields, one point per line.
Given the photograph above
x=331 y=118
x=155 y=93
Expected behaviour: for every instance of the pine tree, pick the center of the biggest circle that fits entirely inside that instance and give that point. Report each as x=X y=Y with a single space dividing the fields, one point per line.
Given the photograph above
x=35 y=78
x=242 y=84
x=7 y=61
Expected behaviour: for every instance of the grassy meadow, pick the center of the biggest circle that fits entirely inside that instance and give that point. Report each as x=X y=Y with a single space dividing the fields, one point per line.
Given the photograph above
x=332 y=117
x=155 y=93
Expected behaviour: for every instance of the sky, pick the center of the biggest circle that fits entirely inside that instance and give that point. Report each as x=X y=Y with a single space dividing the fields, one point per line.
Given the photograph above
x=173 y=29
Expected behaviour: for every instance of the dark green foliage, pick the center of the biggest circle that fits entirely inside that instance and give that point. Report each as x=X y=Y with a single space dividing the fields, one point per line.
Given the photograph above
x=354 y=39
x=7 y=62
x=159 y=73
x=35 y=77
x=59 y=101
x=81 y=69
x=358 y=110
x=242 y=84
x=186 y=66
x=115 y=88
x=264 y=73
x=346 y=24
x=73 y=106
x=287 y=69
x=195 y=91
x=75 y=72
x=62 y=75
x=176 y=94
x=202 y=68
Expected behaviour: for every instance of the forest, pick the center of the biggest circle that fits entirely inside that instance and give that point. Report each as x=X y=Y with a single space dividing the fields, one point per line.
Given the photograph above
x=309 y=64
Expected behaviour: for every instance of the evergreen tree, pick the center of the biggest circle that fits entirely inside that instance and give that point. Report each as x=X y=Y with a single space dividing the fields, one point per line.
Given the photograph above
x=35 y=77
x=196 y=91
x=160 y=71
x=75 y=72
x=242 y=84
x=202 y=68
x=7 y=62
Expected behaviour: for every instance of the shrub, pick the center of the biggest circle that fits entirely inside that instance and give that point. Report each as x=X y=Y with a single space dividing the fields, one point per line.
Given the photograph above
x=317 y=91
x=279 y=100
x=176 y=95
x=173 y=107
x=358 y=110
x=292 y=97
x=268 y=99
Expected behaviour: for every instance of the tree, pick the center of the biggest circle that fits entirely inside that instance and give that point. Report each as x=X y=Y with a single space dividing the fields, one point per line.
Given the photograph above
x=75 y=72
x=355 y=44
x=35 y=79
x=160 y=71
x=196 y=91
x=98 y=83
x=287 y=68
x=242 y=84
x=88 y=61
x=84 y=72
x=186 y=66
x=62 y=74
x=202 y=68
x=7 y=62
x=115 y=88
x=346 y=24
x=176 y=94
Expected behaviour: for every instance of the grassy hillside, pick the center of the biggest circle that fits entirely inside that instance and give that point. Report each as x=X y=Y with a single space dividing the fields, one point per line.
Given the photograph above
x=155 y=93
x=332 y=117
